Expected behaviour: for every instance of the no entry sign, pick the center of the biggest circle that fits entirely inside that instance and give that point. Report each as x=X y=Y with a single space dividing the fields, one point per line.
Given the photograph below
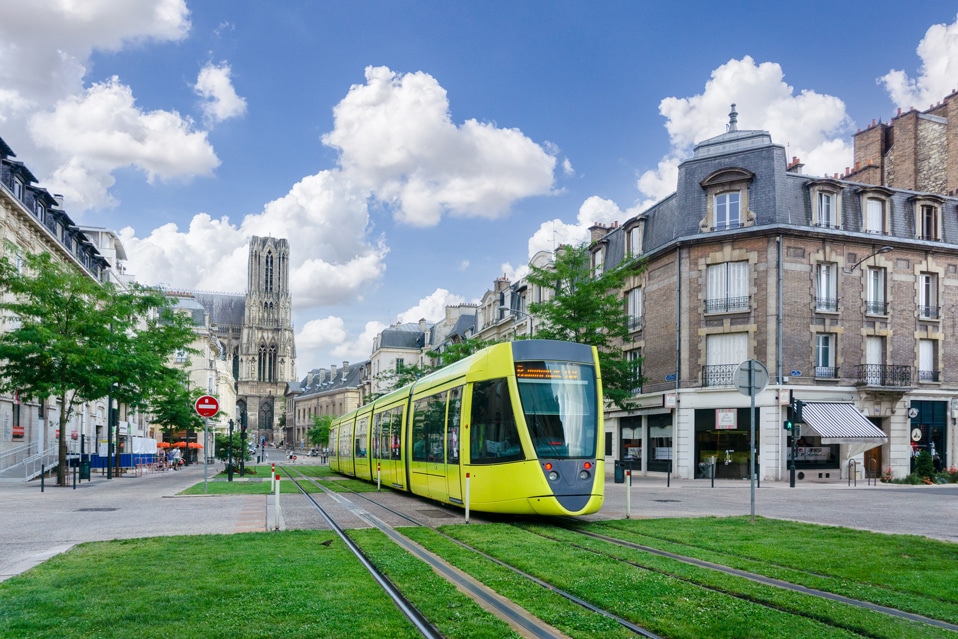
x=207 y=406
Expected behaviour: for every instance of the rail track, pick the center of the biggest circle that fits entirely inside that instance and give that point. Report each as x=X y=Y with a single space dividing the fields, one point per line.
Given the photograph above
x=362 y=505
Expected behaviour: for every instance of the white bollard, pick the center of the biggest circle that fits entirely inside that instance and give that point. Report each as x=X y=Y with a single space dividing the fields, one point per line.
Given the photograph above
x=467 y=498
x=628 y=493
x=276 y=505
x=379 y=477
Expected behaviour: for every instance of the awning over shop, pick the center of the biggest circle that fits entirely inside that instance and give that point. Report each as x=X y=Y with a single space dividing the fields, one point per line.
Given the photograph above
x=841 y=423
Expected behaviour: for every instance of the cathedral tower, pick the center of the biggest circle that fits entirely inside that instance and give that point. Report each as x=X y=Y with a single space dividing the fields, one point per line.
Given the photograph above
x=267 y=352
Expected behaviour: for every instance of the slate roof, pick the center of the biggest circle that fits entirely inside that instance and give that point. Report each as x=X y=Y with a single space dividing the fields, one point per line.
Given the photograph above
x=225 y=309
x=324 y=382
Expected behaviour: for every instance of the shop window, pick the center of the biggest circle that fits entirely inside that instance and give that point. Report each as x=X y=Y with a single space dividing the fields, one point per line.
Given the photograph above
x=723 y=443
x=631 y=442
x=659 y=455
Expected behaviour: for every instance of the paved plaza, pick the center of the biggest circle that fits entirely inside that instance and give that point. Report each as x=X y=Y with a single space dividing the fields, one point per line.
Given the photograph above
x=36 y=525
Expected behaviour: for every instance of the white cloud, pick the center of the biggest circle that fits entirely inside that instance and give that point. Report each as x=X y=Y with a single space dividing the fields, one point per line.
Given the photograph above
x=46 y=46
x=220 y=101
x=595 y=210
x=513 y=273
x=397 y=139
x=937 y=75
x=809 y=124
x=432 y=308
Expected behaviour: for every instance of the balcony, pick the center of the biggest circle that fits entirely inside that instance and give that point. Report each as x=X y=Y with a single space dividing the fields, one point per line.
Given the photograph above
x=728 y=304
x=636 y=323
x=929 y=376
x=929 y=312
x=826 y=372
x=727 y=226
x=882 y=375
x=873 y=307
x=826 y=304
x=719 y=375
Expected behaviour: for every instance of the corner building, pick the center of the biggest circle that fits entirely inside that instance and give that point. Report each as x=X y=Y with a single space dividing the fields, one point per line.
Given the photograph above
x=844 y=290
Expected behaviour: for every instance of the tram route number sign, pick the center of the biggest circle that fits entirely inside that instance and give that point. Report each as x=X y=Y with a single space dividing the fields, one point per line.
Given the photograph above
x=751 y=378
x=207 y=406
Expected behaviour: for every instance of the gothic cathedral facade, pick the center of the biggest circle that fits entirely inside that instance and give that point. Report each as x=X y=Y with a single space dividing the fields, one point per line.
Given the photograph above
x=264 y=359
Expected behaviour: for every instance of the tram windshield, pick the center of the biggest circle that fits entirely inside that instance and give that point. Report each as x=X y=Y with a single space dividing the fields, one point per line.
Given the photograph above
x=559 y=403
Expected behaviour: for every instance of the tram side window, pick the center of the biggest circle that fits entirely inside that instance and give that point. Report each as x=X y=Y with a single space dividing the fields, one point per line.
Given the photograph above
x=345 y=433
x=493 y=434
x=361 y=433
x=395 y=432
x=379 y=437
x=429 y=418
x=452 y=430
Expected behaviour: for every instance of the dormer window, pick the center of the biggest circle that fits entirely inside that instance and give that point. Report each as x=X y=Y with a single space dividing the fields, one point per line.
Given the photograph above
x=727 y=210
x=727 y=200
x=928 y=218
x=598 y=259
x=826 y=204
x=17 y=188
x=876 y=206
x=634 y=232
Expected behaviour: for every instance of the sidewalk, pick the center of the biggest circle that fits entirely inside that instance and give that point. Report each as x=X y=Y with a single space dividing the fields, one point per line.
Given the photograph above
x=36 y=525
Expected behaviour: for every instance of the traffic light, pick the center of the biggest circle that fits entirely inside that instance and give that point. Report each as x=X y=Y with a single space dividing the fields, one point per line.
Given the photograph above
x=789 y=424
x=797 y=406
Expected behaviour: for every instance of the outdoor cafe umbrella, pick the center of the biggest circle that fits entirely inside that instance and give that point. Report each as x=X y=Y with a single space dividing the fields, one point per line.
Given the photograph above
x=162 y=444
x=179 y=444
x=195 y=445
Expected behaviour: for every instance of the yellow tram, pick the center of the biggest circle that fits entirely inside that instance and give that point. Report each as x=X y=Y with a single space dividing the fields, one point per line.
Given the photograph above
x=514 y=428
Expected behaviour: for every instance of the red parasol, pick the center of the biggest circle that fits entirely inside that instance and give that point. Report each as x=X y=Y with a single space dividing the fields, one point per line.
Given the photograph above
x=162 y=444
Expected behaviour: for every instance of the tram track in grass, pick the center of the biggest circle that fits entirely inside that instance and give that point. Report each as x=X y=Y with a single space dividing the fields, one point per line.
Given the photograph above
x=857 y=616
x=523 y=622
x=624 y=623
x=800 y=614
x=847 y=586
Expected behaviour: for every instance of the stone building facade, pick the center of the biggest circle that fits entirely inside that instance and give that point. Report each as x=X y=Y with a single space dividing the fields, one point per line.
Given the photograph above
x=842 y=289
x=256 y=330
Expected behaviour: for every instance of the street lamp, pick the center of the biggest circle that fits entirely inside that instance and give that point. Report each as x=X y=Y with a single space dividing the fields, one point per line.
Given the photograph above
x=109 y=430
x=883 y=249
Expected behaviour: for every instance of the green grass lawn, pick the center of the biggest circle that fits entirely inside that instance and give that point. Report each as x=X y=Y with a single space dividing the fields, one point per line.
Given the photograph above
x=291 y=585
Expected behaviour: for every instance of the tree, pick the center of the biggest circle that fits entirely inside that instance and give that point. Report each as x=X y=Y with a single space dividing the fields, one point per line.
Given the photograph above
x=318 y=435
x=172 y=406
x=404 y=375
x=588 y=308
x=78 y=340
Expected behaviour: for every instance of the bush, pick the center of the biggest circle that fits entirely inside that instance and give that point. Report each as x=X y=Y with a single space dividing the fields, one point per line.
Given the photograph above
x=924 y=466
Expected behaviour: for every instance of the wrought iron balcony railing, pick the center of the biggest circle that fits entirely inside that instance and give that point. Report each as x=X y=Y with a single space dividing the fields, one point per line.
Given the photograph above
x=728 y=304
x=826 y=372
x=929 y=376
x=636 y=323
x=873 y=307
x=929 y=312
x=826 y=304
x=719 y=375
x=882 y=375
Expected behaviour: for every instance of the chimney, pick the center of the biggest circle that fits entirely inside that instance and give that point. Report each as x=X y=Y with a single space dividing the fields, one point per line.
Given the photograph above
x=345 y=368
x=332 y=372
x=309 y=378
x=422 y=325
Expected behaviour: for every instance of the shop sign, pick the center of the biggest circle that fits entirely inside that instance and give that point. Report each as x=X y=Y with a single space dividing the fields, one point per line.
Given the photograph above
x=726 y=419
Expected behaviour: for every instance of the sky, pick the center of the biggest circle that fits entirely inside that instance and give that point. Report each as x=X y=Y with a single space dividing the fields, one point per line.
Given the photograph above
x=414 y=151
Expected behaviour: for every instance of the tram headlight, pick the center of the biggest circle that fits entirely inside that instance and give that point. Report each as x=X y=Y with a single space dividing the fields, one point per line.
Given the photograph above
x=553 y=475
x=584 y=474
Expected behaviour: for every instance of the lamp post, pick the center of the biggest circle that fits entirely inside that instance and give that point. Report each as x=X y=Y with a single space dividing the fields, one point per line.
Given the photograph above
x=109 y=431
x=883 y=249
x=516 y=313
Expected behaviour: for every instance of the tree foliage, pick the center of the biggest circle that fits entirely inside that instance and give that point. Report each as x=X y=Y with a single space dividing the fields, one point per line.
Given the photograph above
x=318 y=434
x=453 y=352
x=78 y=340
x=589 y=309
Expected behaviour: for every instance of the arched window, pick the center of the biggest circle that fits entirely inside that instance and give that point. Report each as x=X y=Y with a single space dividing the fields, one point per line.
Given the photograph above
x=268 y=280
x=266 y=370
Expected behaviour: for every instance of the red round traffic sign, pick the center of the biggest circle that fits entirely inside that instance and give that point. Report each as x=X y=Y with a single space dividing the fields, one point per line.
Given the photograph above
x=207 y=406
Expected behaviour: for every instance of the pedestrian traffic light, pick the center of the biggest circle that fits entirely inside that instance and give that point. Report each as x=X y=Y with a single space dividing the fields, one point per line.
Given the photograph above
x=789 y=424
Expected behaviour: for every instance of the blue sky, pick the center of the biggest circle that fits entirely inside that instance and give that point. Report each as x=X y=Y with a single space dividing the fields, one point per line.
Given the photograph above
x=412 y=152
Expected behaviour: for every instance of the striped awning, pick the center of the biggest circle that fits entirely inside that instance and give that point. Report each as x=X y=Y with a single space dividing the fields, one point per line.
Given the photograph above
x=841 y=423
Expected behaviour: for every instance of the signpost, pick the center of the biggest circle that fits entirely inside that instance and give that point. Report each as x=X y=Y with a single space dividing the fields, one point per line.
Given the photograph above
x=751 y=378
x=206 y=407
